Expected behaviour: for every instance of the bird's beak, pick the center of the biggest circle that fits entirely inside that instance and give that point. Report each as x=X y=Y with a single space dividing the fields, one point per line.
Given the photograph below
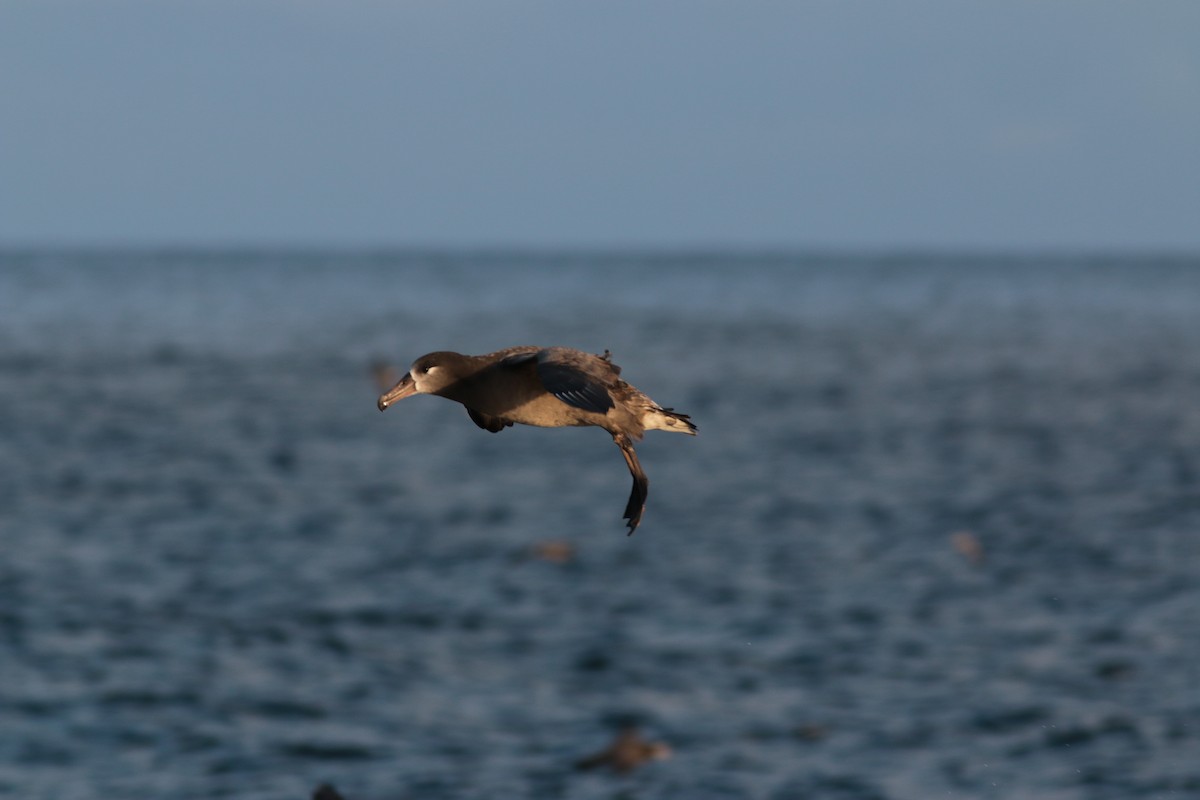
x=405 y=388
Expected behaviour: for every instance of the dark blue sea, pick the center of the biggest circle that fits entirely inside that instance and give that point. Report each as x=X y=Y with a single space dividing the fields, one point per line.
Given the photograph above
x=939 y=535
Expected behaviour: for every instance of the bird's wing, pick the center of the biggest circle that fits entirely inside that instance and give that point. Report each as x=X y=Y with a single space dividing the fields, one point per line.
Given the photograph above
x=576 y=378
x=487 y=422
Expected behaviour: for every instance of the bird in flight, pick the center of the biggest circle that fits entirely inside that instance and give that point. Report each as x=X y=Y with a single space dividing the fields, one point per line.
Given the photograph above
x=549 y=387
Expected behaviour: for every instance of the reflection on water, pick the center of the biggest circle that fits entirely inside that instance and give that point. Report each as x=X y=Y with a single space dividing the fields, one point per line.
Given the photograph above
x=938 y=534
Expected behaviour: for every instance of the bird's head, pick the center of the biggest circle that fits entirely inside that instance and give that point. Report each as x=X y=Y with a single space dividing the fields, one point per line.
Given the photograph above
x=429 y=374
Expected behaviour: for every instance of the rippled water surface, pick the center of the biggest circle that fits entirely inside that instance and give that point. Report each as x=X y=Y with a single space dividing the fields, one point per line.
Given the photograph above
x=939 y=535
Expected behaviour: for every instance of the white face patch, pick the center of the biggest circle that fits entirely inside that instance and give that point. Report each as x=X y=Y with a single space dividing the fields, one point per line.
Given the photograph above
x=424 y=380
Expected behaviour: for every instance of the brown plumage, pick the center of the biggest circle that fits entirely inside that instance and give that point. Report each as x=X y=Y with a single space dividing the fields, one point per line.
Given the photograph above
x=549 y=387
x=626 y=753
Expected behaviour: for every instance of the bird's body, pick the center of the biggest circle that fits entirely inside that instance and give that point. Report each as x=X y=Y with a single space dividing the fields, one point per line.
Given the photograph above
x=626 y=753
x=549 y=387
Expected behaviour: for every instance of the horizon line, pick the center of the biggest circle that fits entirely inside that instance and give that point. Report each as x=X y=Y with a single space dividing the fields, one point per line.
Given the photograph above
x=664 y=249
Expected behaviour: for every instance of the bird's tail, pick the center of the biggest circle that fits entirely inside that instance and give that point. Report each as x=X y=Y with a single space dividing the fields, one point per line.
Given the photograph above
x=668 y=419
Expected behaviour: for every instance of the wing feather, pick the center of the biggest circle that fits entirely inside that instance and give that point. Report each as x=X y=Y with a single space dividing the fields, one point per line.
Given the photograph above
x=576 y=378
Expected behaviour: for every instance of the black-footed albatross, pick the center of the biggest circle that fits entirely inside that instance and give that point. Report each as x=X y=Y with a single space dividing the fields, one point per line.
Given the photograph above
x=550 y=387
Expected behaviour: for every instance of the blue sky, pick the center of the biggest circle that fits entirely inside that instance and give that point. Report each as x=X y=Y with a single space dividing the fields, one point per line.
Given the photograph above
x=863 y=125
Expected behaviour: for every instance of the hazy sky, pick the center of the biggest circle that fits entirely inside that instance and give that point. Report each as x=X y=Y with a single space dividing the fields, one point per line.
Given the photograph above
x=605 y=123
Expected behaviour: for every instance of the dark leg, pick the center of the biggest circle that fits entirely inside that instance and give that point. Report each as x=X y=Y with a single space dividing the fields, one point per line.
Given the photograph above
x=641 y=484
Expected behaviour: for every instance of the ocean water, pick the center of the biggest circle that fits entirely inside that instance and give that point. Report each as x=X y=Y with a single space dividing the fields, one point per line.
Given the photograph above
x=939 y=535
